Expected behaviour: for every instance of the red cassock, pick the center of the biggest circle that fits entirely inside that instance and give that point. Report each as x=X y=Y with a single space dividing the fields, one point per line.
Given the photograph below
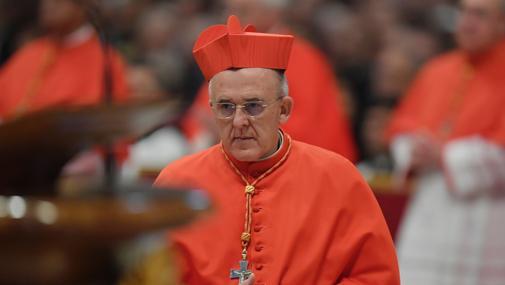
x=318 y=116
x=457 y=96
x=315 y=221
x=44 y=74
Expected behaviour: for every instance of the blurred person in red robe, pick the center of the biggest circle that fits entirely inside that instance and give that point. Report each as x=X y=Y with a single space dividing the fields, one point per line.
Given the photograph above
x=286 y=212
x=448 y=134
x=66 y=67
x=312 y=83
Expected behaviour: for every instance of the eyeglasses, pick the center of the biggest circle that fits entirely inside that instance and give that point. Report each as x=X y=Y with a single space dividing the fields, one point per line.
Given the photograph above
x=226 y=110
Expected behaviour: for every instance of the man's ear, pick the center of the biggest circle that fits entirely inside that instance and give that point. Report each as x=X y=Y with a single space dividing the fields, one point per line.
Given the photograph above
x=286 y=107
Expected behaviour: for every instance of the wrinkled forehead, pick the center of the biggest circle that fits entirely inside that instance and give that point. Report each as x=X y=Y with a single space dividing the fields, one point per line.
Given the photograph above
x=246 y=83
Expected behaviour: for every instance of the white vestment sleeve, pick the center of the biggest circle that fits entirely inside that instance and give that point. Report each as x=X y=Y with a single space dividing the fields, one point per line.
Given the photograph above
x=474 y=165
x=401 y=151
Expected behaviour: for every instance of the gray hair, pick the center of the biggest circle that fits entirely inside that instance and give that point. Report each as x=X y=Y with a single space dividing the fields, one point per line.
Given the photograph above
x=284 y=89
x=284 y=85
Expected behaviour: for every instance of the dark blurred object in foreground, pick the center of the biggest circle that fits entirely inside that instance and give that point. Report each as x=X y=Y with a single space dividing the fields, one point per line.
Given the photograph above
x=46 y=238
x=73 y=240
x=35 y=148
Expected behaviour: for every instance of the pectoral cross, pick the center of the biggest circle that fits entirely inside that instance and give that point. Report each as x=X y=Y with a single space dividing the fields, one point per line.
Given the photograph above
x=241 y=274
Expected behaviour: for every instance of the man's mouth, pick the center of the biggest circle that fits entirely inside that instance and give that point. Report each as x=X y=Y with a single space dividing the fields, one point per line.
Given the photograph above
x=242 y=138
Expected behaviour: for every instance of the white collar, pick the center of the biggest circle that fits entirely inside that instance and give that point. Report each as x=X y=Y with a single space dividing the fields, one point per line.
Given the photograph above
x=79 y=36
x=280 y=143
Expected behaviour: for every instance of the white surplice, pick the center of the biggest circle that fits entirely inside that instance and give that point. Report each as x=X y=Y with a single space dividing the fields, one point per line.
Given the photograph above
x=453 y=232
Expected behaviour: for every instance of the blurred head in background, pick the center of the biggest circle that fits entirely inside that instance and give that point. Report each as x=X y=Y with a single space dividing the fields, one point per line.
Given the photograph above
x=265 y=15
x=157 y=27
x=481 y=24
x=374 y=122
x=144 y=83
x=342 y=34
x=61 y=17
x=392 y=73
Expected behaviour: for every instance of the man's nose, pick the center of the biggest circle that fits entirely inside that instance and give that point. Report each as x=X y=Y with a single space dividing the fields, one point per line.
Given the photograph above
x=240 y=118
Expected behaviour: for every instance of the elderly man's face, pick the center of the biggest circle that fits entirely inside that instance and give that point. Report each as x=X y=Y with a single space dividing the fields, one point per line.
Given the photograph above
x=480 y=25
x=246 y=137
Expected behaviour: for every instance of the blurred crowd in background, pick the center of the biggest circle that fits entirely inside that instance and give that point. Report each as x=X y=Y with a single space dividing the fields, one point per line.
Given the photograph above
x=375 y=47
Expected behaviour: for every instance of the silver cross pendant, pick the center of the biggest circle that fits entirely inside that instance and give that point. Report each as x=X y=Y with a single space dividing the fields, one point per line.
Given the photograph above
x=241 y=274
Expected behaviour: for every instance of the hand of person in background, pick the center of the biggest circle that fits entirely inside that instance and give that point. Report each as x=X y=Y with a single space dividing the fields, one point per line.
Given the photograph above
x=426 y=152
x=413 y=153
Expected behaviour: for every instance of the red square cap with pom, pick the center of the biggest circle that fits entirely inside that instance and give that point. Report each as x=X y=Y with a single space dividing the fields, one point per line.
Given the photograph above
x=222 y=47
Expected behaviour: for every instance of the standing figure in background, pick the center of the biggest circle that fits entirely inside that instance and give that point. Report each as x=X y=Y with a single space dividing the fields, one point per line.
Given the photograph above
x=449 y=133
x=312 y=85
x=64 y=68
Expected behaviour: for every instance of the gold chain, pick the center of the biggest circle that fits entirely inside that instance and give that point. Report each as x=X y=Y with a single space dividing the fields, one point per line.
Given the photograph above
x=249 y=192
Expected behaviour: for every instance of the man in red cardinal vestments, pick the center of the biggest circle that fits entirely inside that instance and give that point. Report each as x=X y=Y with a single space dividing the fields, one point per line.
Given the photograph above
x=286 y=212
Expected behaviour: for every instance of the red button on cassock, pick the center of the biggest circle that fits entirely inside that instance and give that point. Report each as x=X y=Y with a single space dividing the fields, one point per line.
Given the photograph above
x=258 y=247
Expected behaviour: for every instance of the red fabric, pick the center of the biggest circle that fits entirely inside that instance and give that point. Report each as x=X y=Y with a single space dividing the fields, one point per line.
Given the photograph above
x=393 y=206
x=498 y=136
x=315 y=221
x=71 y=76
x=221 y=47
x=430 y=103
x=318 y=116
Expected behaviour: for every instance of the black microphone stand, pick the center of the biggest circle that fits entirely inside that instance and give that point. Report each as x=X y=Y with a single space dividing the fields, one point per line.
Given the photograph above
x=96 y=19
